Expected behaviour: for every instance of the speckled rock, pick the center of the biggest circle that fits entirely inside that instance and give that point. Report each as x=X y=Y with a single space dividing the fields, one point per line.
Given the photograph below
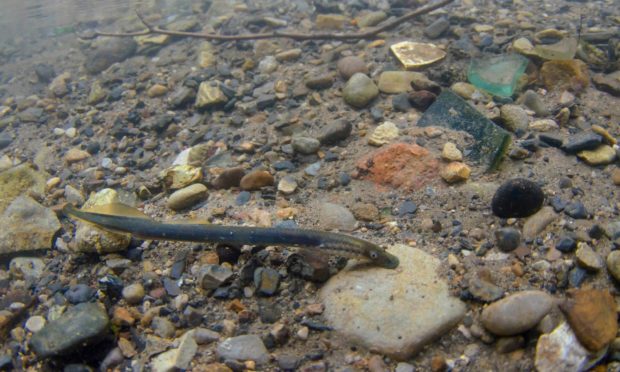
x=256 y=180
x=20 y=180
x=133 y=293
x=592 y=315
x=516 y=313
x=242 y=348
x=359 y=91
x=336 y=217
x=287 y=185
x=569 y=75
x=389 y=330
x=187 y=197
x=27 y=226
x=383 y=134
x=26 y=268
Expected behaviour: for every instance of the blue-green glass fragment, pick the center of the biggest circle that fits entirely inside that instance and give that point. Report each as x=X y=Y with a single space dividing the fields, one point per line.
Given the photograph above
x=497 y=75
x=451 y=111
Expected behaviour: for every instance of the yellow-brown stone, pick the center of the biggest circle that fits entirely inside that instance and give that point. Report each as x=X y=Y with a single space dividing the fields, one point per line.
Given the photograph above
x=592 y=315
x=413 y=55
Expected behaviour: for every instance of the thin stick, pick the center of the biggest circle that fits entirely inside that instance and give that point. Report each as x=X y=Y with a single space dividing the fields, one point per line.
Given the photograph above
x=368 y=34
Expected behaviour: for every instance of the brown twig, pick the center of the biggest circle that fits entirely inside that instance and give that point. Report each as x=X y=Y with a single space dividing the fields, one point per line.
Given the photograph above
x=368 y=34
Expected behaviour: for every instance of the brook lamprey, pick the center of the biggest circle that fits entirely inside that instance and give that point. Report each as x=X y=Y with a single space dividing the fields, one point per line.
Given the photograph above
x=328 y=242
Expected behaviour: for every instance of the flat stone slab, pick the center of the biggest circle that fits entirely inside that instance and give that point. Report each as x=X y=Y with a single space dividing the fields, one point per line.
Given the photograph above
x=393 y=312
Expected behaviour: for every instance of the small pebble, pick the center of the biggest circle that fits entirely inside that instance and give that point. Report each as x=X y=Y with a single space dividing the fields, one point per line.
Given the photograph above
x=133 y=293
x=507 y=239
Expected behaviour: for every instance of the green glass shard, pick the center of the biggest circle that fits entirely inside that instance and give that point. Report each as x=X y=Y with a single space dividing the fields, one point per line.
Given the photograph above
x=562 y=50
x=451 y=111
x=497 y=75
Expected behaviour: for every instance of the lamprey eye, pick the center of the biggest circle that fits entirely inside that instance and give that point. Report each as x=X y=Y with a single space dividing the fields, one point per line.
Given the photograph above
x=374 y=255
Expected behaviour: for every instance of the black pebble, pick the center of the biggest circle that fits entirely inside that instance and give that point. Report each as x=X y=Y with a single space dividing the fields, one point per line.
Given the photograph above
x=566 y=244
x=508 y=239
x=517 y=197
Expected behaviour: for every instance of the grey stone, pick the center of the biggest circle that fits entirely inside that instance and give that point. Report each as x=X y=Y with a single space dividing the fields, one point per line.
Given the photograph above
x=109 y=51
x=80 y=325
x=538 y=222
x=420 y=306
x=582 y=141
x=334 y=132
x=516 y=313
x=267 y=281
x=205 y=336
x=484 y=291
x=28 y=268
x=534 y=102
x=613 y=264
x=30 y=115
x=359 y=91
x=348 y=66
x=212 y=276
x=507 y=239
x=162 y=327
x=437 y=28
x=514 y=118
x=336 y=217
x=305 y=145
x=27 y=226
x=242 y=348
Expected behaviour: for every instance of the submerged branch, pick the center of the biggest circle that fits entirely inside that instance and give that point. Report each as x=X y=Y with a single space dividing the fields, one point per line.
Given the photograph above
x=367 y=34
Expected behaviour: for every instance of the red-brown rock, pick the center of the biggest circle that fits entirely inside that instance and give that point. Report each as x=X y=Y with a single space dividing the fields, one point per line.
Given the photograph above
x=592 y=315
x=399 y=165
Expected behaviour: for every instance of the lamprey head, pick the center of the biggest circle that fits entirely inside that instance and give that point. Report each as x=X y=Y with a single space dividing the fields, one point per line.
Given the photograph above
x=380 y=257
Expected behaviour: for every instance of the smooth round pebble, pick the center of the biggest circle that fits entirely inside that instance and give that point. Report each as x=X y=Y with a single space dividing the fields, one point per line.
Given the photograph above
x=133 y=293
x=516 y=313
x=187 y=197
x=507 y=239
x=518 y=198
x=35 y=323
x=359 y=91
x=256 y=180
x=613 y=264
x=348 y=66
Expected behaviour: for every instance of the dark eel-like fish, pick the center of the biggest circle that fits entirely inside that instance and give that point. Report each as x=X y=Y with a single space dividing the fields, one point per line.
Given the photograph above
x=329 y=242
